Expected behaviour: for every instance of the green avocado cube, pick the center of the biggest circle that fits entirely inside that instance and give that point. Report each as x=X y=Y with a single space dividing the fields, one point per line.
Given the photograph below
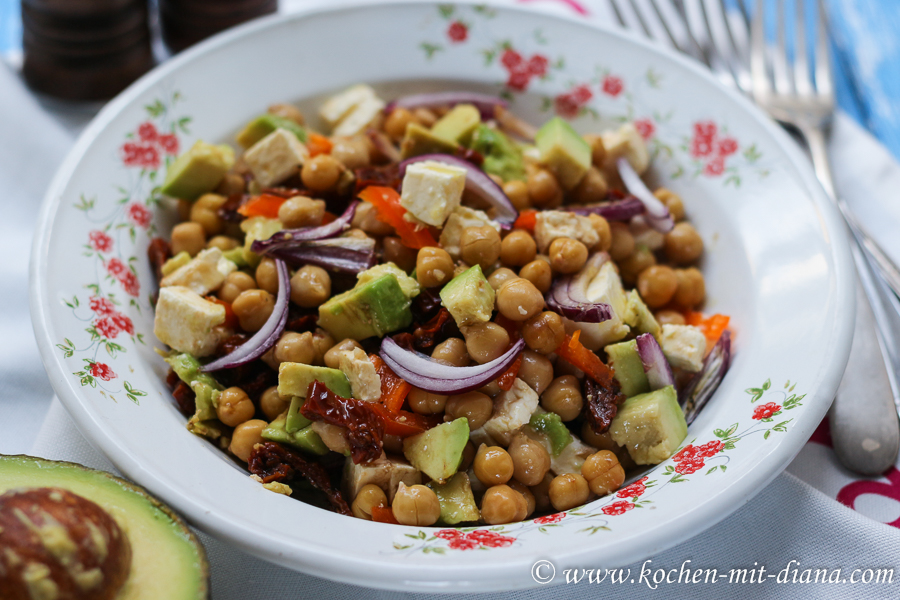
x=456 y=499
x=294 y=380
x=175 y=263
x=263 y=125
x=628 y=368
x=437 y=452
x=551 y=425
x=418 y=141
x=458 y=124
x=563 y=151
x=469 y=297
x=651 y=426
x=198 y=171
x=639 y=317
x=257 y=228
x=374 y=308
x=501 y=156
x=305 y=439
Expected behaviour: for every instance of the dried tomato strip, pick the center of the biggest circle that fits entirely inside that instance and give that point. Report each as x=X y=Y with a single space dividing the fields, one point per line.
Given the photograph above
x=383 y=514
x=393 y=389
x=574 y=353
x=600 y=404
x=403 y=423
x=365 y=427
x=158 y=252
x=508 y=378
x=435 y=331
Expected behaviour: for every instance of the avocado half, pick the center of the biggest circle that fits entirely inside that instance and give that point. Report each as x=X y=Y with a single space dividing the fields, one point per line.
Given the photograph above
x=168 y=561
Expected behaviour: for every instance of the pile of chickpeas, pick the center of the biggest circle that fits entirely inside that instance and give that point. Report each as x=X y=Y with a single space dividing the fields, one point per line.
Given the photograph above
x=512 y=482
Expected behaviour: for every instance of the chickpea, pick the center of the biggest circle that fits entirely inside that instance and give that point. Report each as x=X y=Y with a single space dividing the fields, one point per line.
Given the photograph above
x=395 y=252
x=433 y=266
x=272 y=404
x=501 y=276
x=567 y=255
x=517 y=192
x=253 y=308
x=670 y=317
x=295 y=347
x=426 y=403
x=530 y=459
x=541 y=493
x=591 y=188
x=300 y=211
x=602 y=441
x=310 y=286
x=502 y=504
x=235 y=283
x=245 y=436
x=322 y=342
x=544 y=190
x=622 y=242
x=496 y=179
x=205 y=211
x=287 y=111
x=631 y=267
x=526 y=493
x=657 y=285
x=368 y=497
x=333 y=356
x=188 y=237
x=357 y=233
x=480 y=246
x=539 y=273
x=486 y=341
x=234 y=407
x=598 y=150
x=519 y=300
x=536 y=370
x=691 y=288
x=223 y=243
x=568 y=491
x=493 y=465
x=425 y=117
x=452 y=351
x=683 y=244
x=231 y=185
x=544 y=332
x=601 y=226
x=353 y=154
x=474 y=406
x=563 y=397
x=603 y=472
x=396 y=122
x=518 y=248
x=416 y=505
x=672 y=201
x=491 y=388
x=321 y=173
x=267 y=275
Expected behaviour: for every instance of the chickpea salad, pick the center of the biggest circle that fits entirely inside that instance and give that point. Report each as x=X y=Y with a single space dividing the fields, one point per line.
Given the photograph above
x=431 y=312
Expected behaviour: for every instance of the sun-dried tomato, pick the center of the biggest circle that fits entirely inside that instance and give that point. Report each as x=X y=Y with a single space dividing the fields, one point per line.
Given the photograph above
x=172 y=379
x=302 y=323
x=365 y=428
x=508 y=378
x=601 y=404
x=388 y=176
x=273 y=462
x=158 y=252
x=254 y=377
x=393 y=388
x=436 y=330
x=229 y=210
x=473 y=156
x=573 y=352
x=185 y=398
x=426 y=305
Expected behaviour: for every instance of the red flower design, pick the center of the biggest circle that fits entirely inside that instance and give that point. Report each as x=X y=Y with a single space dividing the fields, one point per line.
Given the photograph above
x=710 y=449
x=521 y=70
x=510 y=59
x=537 y=65
x=715 y=167
x=102 y=371
x=491 y=539
x=139 y=214
x=518 y=80
x=569 y=104
x=143 y=155
x=645 y=127
x=131 y=284
x=690 y=465
x=727 y=146
x=102 y=306
x=705 y=129
x=147 y=132
x=449 y=534
x=617 y=508
x=549 y=519
x=457 y=32
x=766 y=411
x=123 y=323
x=100 y=241
x=474 y=539
x=701 y=147
x=116 y=267
x=686 y=453
x=106 y=327
x=169 y=143
x=463 y=543
x=612 y=85
x=634 y=490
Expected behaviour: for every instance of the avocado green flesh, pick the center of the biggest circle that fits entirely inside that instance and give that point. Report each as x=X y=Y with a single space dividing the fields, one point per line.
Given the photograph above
x=371 y=309
x=458 y=124
x=206 y=389
x=197 y=171
x=469 y=297
x=651 y=426
x=456 y=499
x=563 y=151
x=550 y=424
x=438 y=451
x=501 y=157
x=294 y=379
x=263 y=125
x=168 y=560
x=628 y=368
x=419 y=141
x=304 y=438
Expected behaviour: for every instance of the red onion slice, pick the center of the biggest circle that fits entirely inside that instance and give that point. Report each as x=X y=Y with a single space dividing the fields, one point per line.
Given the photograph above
x=341 y=255
x=568 y=296
x=477 y=182
x=657 y=214
x=701 y=388
x=485 y=103
x=619 y=210
x=441 y=378
x=293 y=237
x=657 y=368
x=267 y=335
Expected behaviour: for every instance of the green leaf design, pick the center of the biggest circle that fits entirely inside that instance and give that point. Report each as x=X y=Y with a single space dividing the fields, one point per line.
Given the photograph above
x=446 y=10
x=155 y=109
x=401 y=546
x=766 y=434
x=485 y=11
x=712 y=469
x=430 y=49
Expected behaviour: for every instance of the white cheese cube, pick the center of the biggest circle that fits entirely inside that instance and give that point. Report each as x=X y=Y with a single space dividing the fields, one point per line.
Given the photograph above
x=553 y=224
x=683 y=346
x=605 y=287
x=432 y=190
x=386 y=473
x=359 y=118
x=338 y=106
x=625 y=142
x=187 y=322
x=203 y=274
x=512 y=411
x=459 y=220
x=364 y=380
x=275 y=157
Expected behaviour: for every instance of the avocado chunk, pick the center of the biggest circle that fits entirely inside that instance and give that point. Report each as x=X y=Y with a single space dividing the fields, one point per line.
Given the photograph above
x=650 y=426
x=501 y=156
x=551 y=425
x=206 y=389
x=563 y=151
x=175 y=263
x=371 y=309
x=294 y=380
x=305 y=438
x=263 y=125
x=167 y=559
x=408 y=284
x=257 y=228
x=628 y=368
x=418 y=141
x=469 y=297
x=438 y=451
x=197 y=171
x=639 y=317
x=458 y=124
x=457 y=500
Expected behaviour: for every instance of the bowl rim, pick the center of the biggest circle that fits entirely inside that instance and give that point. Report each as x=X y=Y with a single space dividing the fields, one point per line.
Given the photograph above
x=391 y=574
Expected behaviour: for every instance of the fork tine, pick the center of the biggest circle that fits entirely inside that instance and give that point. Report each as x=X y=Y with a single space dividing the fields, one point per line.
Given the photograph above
x=802 y=74
x=639 y=17
x=762 y=86
x=780 y=67
x=715 y=16
x=619 y=16
x=824 y=78
x=674 y=27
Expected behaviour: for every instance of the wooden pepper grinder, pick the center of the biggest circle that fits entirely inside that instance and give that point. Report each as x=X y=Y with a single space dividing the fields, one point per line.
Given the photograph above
x=84 y=49
x=186 y=22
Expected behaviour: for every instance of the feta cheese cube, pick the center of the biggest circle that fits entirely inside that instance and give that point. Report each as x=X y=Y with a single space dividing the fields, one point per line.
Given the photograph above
x=359 y=118
x=625 y=142
x=275 y=157
x=432 y=190
x=459 y=220
x=364 y=380
x=203 y=274
x=187 y=322
x=386 y=473
x=605 y=287
x=340 y=105
x=512 y=411
x=683 y=346
x=553 y=224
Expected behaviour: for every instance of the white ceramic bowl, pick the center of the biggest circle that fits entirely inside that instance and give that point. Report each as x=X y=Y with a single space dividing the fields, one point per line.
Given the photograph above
x=776 y=262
